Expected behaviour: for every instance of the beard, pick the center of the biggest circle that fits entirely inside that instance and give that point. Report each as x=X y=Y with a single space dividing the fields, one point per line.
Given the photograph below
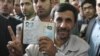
x=63 y=33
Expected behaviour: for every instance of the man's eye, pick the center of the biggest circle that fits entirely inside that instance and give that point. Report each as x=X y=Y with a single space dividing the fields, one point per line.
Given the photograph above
x=68 y=20
x=43 y=0
x=17 y=5
x=10 y=1
x=35 y=1
x=22 y=4
x=98 y=4
x=59 y=20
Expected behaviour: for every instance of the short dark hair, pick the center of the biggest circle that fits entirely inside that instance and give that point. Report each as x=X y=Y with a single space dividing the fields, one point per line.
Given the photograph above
x=50 y=1
x=13 y=2
x=64 y=7
x=92 y=2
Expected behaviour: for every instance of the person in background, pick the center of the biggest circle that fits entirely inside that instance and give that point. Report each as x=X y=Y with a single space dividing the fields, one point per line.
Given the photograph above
x=6 y=7
x=43 y=9
x=89 y=12
x=17 y=11
x=27 y=9
x=93 y=32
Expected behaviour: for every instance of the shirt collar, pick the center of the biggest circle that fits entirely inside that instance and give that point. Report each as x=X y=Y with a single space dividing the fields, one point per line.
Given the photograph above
x=72 y=44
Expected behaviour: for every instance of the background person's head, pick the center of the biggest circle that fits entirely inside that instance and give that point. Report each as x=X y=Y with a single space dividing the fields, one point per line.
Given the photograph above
x=65 y=17
x=6 y=7
x=27 y=8
x=42 y=7
x=17 y=9
x=88 y=9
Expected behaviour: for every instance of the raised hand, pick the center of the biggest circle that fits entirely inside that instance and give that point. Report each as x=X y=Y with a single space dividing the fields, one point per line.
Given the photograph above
x=15 y=46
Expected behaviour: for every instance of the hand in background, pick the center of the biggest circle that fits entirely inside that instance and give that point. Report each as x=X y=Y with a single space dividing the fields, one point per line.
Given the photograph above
x=15 y=46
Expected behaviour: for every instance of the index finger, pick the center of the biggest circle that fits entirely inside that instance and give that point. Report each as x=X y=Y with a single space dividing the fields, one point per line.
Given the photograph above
x=44 y=38
x=11 y=33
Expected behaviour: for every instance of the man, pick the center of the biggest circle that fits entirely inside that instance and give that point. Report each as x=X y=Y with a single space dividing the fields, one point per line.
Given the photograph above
x=43 y=9
x=28 y=11
x=89 y=12
x=93 y=32
x=65 y=44
x=27 y=8
x=17 y=11
x=6 y=7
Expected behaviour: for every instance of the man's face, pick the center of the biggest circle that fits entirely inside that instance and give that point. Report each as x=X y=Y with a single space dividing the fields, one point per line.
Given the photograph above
x=65 y=22
x=17 y=7
x=26 y=7
x=75 y=3
x=42 y=7
x=88 y=10
x=98 y=7
x=6 y=7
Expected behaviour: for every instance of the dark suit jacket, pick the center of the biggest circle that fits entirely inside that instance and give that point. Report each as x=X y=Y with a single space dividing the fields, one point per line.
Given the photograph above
x=4 y=34
x=89 y=29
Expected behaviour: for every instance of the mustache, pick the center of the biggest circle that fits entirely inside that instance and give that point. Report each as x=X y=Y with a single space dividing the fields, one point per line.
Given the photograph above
x=63 y=30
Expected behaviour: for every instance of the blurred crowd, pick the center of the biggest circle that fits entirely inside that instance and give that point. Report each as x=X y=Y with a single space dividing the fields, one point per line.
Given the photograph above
x=77 y=27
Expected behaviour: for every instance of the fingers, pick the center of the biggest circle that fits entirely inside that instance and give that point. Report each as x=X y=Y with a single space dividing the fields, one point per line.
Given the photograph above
x=19 y=33
x=10 y=48
x=14 y=48
x=44 y=42
x=44 y=38
x=11 y=33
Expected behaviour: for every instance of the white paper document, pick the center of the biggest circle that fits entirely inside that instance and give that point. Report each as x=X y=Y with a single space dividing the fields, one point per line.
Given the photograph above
x=33 y=30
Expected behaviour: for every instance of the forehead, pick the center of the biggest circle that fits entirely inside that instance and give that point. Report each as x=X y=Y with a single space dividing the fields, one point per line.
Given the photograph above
x=73 y=0
x=25 y=1
x=17 y=1
x=65 y=14
x=87 y=5
x=41 y=0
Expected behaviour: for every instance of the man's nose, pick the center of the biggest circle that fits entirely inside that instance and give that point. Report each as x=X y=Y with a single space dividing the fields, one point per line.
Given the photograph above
x=63 y=25
x=87 y=10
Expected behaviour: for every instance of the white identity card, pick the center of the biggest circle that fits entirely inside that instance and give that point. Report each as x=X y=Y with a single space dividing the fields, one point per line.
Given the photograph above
x=33 y=30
